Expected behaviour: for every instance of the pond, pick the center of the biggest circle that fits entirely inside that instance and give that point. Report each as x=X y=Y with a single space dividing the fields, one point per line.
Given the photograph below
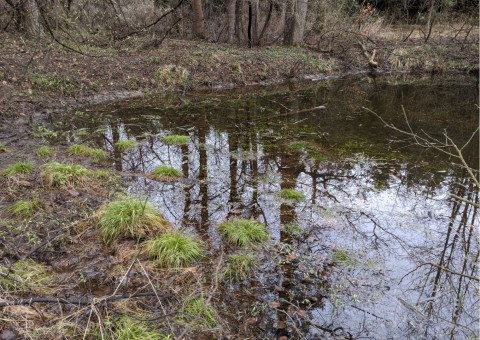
x=371 y=247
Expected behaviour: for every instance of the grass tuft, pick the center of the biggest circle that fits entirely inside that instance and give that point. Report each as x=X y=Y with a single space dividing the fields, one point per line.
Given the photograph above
x=292 y=195
x=25 y=276
x=23 y=208
x=176 y=140
x=44 y=151
x=240 y=266
x=164 y=172
x=131 y=218
x=173 y=250
x=125 y=328
x=96 y=155
x=292 y=229
x=124 y=145
x=342 y=257
x=60 y=174
x=18 y=168
x=244 y=232
x=199 y=309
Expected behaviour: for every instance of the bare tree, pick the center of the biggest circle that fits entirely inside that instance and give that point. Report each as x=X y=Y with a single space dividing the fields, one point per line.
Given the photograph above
x=199 y=27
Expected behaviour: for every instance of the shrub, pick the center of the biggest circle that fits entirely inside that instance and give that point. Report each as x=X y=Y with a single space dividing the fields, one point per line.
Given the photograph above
x=244 y=232
x=59 y=174
x=173 y=250
x=129 y=217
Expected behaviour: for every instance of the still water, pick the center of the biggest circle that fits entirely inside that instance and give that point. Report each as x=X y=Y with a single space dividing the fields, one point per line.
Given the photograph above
x=380 y=250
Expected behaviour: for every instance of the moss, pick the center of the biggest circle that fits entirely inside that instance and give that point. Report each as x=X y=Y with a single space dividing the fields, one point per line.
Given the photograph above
x=25 y=276
x=60 y=174
x=96 y=155
x=240 y=266
x=176 y=140
x=198 y=309
x=173 y=250
x=124 y=145
x=130 y=218
x=292 y=195
x=165 y=172
x=244 y=232
x=19 y=168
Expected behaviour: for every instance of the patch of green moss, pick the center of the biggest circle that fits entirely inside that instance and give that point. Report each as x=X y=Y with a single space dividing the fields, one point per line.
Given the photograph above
x=292 y=195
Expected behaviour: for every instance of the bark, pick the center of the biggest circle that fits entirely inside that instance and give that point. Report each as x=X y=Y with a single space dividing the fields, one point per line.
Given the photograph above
x=289 y=22
x=300 y=20
x=231 y=14
x=321 y=17
x=199 y=27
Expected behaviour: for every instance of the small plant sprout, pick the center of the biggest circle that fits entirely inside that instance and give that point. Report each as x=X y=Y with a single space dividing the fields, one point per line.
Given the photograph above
x=124 y=145
x=125 y=328
x=25 y=276
x=24 y=209
x=292 y=195
x=174 y=250
x=96 y=155
x=19 y=168
x=175 y=140
x=199 y=309
x=130 y=217
x=44 y=151
x=59 y=174
x=240 y=266
x=164 y=172
x=244 y=232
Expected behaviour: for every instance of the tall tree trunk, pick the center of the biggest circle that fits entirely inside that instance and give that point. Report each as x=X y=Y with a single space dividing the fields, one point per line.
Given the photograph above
x=231 y=9
x=320 y=17
x=199 y=28
x=255 y=19
x=300 y=20
x=289 y=22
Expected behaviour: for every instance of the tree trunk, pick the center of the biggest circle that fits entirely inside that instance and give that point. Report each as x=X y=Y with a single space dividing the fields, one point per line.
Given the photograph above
x=199 y=28
x=289 y=22
x=231 y=9
x=255 y=19
x=300 y=20
x=321 y=16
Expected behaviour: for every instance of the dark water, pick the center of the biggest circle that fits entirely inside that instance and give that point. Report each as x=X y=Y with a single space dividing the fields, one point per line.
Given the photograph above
x=384 y=252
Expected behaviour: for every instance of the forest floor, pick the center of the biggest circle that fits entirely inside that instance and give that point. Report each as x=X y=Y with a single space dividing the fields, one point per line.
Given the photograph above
x=39 y=80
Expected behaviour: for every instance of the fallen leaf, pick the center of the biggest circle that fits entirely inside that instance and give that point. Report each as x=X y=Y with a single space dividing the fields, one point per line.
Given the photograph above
x=273 y=304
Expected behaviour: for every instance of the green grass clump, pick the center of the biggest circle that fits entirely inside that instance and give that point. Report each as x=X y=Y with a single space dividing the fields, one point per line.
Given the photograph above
x=199 y=309
x=176 y=140
x=342 y=257
x=25 y=276
x=44 y=151
x=292 y=229
x=96 y=155
x=18 y=168
x=131 y=218
x=60 y=174
x=240 y=266
x=164 y=172
x=125 y=328
x=244 y=232
x=124 y=145
x=292 y=195
x=24 y=208
x=173 y=250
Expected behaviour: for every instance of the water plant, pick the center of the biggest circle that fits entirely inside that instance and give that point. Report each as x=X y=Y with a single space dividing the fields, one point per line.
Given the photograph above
x=25 y=276
x=244 y=232
x=18 y=168
x=240 y=266
x=292 y=195
x=173 y=250
x=44 y=151
x=175 y=140
x=124 y=145
x=60 y=174
x=198 y=309
x=164 y=172
x=79 y=150
x=131 y=218
x=125 y=328
x=24 y=208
